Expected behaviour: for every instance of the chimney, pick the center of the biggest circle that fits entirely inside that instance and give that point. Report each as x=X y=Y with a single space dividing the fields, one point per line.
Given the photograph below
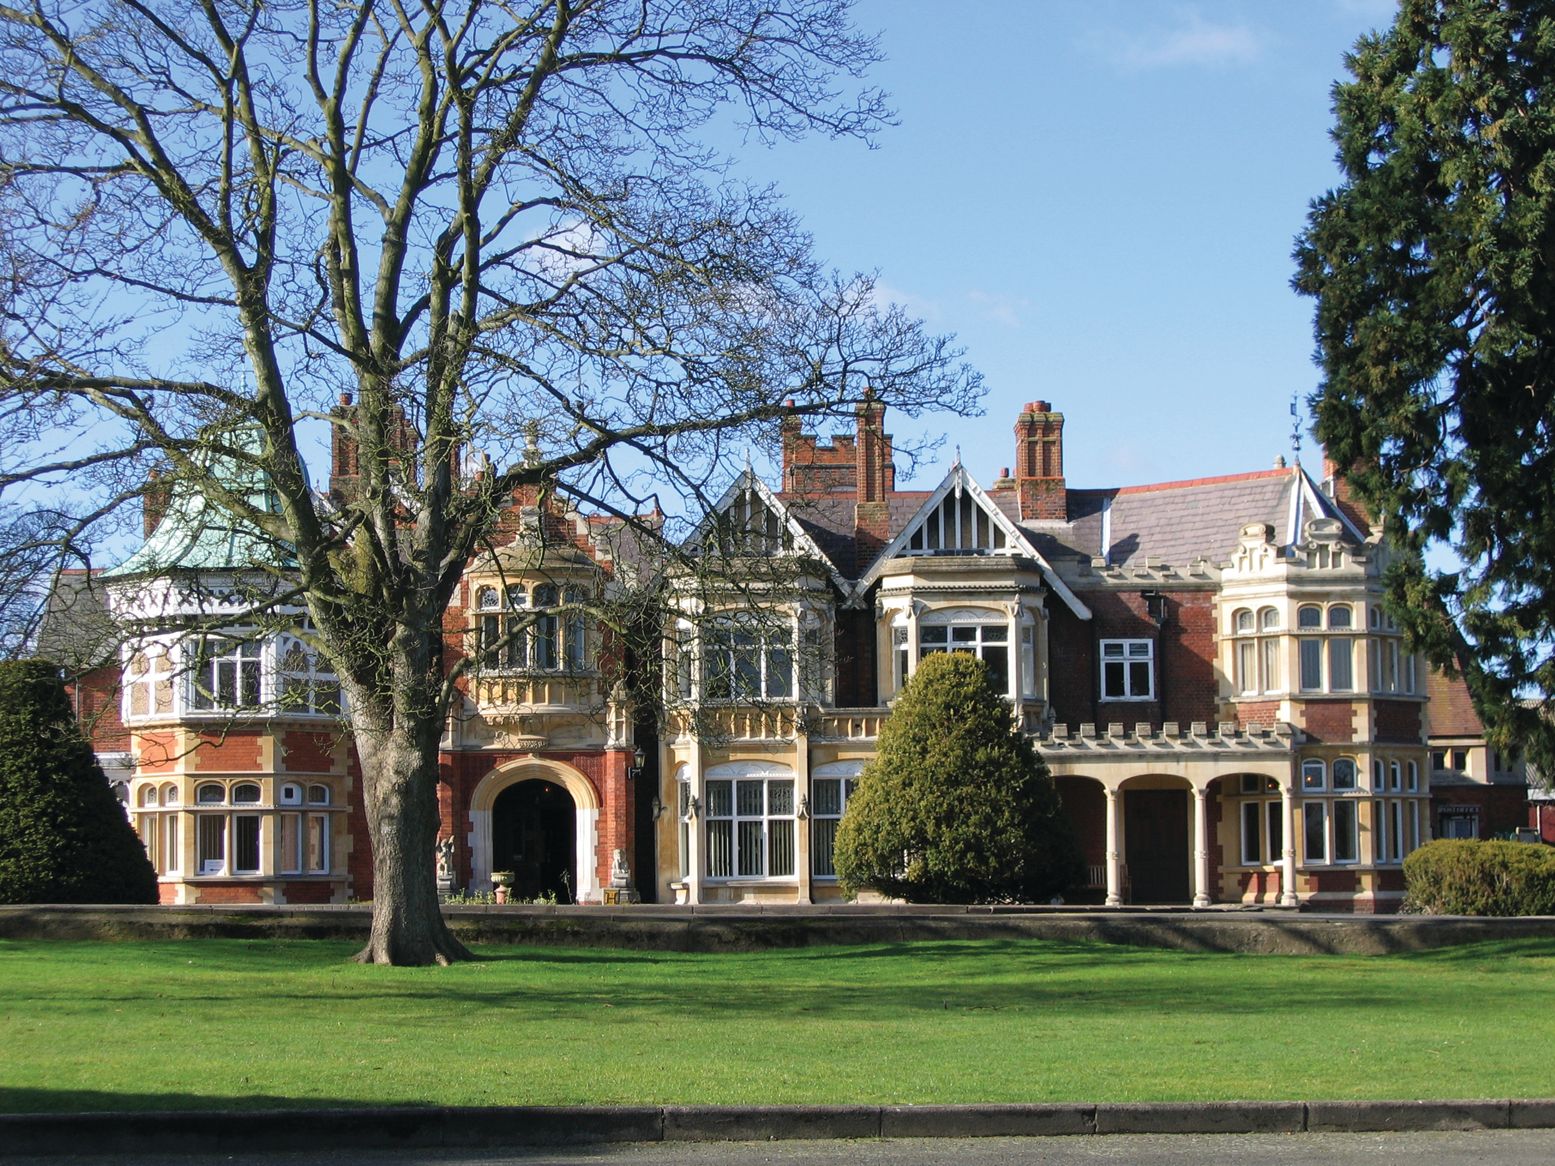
x=876 y=478
x=344 y=455
x=1039 y=463
x=154 y=501
x=1337 y=486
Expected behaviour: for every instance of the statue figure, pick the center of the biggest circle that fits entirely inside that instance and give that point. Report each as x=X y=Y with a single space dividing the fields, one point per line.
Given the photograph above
x=445 y=859
x=620 y=876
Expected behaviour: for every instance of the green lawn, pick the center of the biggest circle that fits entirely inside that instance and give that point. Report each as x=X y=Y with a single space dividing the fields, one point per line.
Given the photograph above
x=88 y=1026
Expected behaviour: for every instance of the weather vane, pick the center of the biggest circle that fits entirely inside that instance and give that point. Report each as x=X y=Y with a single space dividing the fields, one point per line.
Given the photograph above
x=1295 y=426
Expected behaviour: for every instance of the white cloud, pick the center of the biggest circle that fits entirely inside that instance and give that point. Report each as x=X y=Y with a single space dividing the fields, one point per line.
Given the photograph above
x=922 y=307
x=1010 y=311
x=1193 y=41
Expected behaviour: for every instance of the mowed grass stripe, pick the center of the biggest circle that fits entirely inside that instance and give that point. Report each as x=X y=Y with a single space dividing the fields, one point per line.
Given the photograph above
x=206 y=1024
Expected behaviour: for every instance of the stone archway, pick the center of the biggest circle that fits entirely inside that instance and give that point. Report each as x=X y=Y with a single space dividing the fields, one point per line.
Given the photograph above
x=534 y=835
x=549 y=820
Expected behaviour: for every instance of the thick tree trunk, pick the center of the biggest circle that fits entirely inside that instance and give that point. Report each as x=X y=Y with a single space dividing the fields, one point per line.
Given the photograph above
x=399 y=786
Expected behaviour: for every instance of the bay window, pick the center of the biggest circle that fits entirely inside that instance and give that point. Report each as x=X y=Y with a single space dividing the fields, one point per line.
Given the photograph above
x=750 y=827
x=1326 y=648
x=225 y=674
x=1257 y=651
x=746 y=658
x=830 y=788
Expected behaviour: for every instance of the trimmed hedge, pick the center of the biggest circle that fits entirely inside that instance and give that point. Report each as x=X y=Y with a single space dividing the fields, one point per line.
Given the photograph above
x=63 y=835
x=1468 y=877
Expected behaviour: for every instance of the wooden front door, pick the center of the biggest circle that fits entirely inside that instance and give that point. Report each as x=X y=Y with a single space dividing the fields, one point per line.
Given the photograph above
x=1155 y=825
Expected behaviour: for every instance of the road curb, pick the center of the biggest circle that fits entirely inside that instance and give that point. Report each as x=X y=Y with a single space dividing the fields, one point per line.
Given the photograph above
x=219 y=1131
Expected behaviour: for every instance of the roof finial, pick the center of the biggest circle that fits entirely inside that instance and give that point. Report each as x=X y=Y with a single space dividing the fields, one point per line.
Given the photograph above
x=958 y=454
x=532 y=443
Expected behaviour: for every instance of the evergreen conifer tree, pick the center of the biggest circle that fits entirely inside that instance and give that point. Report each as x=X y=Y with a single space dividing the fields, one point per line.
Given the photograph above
x=957 y=805
x=63 y=836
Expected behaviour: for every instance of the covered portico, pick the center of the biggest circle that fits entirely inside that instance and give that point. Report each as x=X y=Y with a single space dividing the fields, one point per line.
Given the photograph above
x=1169 y=775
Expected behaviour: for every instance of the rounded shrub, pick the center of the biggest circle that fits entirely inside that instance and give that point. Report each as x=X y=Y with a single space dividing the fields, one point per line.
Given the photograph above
x=1469 y=877
x=957 y=806
x=63 y=835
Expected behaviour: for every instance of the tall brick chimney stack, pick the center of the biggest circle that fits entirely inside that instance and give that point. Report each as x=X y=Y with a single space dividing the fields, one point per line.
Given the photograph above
x=1039 y=463
x=154 y=501
x=876 y=478
x=875 y=474
x=344 y=455
x=1337 y=486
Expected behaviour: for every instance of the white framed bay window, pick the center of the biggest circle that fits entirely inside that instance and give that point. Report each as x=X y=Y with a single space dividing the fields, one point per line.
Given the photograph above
x=750 y=821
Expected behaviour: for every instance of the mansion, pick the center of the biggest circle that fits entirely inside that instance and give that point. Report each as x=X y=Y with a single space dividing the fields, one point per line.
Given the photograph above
x=1206 y=666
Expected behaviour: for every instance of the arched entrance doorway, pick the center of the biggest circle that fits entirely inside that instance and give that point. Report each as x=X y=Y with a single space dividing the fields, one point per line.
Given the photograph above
x=534 y=834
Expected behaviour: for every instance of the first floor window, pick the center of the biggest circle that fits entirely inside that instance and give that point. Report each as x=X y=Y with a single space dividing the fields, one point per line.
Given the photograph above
x=747 y=660
x=989 y=642
x=750 y=828
x=828 y=802
x=225 y=674
x=1128 y=669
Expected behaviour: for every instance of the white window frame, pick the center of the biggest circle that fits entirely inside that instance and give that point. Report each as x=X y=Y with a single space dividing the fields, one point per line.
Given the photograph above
x=305 y=683
x=226 y=673
x=1122 y=656
x=747 y=659
x=745 y=844
x=978 y=632
x=824 y=819
x=1326 y=647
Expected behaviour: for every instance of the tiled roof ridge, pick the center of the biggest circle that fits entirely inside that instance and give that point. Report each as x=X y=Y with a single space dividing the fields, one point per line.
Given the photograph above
x=1189 y=483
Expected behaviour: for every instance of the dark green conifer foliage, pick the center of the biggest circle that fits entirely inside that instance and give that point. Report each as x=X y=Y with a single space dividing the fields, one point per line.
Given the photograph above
x=63 y=836
x=1433 y=268
x=957 y=806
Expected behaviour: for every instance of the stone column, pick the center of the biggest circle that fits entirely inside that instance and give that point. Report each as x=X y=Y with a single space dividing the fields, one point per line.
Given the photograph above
x=1200 y=847
x=1288 y=862
x=802 y=824
x=1114 y=858
x=694 y=834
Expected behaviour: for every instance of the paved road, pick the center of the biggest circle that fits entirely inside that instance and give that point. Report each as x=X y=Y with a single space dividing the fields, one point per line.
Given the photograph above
x=1501 y=1147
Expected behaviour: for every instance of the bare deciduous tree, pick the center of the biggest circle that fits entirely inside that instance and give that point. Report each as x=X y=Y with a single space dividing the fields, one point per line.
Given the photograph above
x=495 y=225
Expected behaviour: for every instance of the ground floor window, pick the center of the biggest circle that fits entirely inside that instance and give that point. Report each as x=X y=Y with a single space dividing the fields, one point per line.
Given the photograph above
x=1315 y=831
x=245 y=844
x=828 y=801
x=1347 y=834
x=750 y=828
x=1459 y=822
x=211 y=843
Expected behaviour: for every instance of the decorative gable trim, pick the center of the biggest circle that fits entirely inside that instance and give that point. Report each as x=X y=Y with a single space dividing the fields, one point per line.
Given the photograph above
x=802 y=543
x=959 y=484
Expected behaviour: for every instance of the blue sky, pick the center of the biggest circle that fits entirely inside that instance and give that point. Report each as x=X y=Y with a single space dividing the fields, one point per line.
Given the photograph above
x=1100 y=199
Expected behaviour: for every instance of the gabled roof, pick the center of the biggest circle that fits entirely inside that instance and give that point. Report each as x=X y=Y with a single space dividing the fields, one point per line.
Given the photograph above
x=1179 y=522
x=198 y=534
x=804 y=543
x=959 y=482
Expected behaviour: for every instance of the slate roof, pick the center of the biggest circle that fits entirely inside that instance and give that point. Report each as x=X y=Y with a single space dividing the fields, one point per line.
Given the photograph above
x=1176 y=523
x=76 y=631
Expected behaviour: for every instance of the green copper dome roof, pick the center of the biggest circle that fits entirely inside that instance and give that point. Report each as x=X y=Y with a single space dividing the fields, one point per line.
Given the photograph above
x=196 y=533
